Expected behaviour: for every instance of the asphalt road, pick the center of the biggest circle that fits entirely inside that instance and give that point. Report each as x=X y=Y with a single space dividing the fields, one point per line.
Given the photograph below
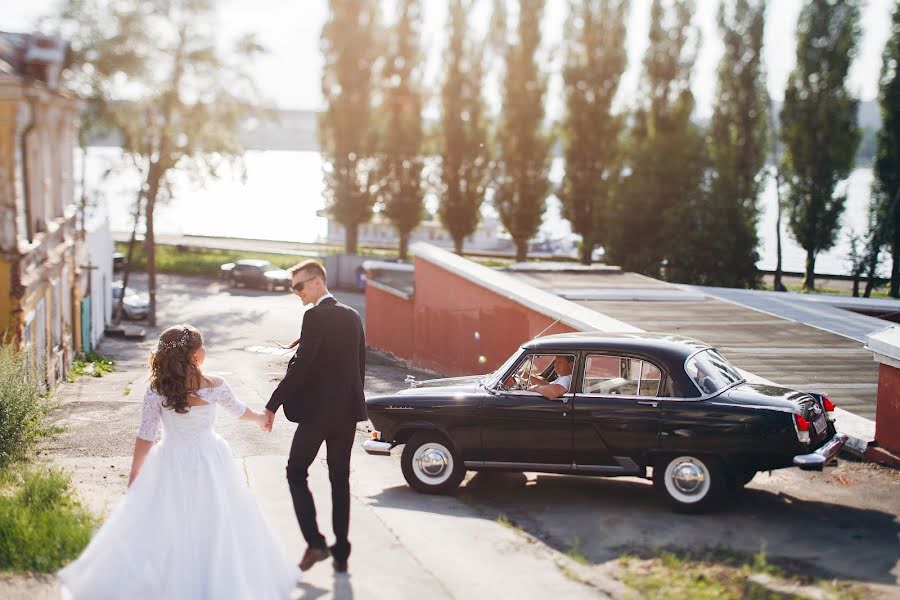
x=501 y=535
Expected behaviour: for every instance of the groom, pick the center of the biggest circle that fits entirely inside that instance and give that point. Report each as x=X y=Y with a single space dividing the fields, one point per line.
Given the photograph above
x=322 y=392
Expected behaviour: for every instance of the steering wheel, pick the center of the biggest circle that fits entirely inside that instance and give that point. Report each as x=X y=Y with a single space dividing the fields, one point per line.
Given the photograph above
x=519 y=380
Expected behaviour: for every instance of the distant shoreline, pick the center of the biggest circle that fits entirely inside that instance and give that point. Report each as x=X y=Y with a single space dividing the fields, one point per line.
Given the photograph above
x=213 y=242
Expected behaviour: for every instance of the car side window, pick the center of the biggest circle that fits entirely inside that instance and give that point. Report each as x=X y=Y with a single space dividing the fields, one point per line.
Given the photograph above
x=530 y=371
x=620 y=375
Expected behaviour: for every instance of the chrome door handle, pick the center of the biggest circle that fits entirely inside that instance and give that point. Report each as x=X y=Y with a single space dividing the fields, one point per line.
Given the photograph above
x=652 y=403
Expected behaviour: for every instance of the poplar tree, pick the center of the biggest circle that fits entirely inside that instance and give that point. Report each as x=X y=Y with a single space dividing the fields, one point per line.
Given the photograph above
x=521 y=183
x=819 y=125
x=738 y=143
x=666 y=157
x=595 y=57
x=400 y=161
x=886 y=187
x=464 y=154
x=350 y=49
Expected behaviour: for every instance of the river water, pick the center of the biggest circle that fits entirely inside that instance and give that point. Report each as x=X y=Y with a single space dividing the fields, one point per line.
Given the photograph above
x=280 y=192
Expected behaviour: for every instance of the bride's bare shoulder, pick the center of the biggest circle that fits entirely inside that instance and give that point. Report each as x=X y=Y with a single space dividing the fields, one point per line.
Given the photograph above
x=213 y=380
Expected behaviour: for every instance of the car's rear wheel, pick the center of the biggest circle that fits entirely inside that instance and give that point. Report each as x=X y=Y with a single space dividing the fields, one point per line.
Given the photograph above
x=738 y=478
x=430 y=465
x=690 y=483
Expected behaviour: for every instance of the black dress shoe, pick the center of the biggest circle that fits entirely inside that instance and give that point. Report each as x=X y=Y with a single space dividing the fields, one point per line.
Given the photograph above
x=312 y=556
x=340 y=566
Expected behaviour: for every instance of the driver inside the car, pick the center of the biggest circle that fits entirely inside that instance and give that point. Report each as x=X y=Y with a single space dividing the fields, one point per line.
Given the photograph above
x=563 y=366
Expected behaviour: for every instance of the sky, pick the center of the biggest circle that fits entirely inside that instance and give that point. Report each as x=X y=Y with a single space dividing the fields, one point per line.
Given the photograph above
x=290 y=74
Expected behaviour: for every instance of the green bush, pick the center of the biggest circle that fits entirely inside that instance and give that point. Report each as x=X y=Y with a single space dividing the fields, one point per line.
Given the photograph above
x=22 y=407
x=43 y=527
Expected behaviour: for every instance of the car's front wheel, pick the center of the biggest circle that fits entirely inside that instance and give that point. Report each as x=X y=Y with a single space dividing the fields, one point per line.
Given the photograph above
x=691 y=484
x=430 y=465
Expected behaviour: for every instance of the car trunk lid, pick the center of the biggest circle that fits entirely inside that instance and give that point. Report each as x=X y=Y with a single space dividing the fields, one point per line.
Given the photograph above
x=778 y=397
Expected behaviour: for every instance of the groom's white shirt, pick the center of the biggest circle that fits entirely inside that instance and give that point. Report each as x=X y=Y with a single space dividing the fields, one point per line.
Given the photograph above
x=319 y=301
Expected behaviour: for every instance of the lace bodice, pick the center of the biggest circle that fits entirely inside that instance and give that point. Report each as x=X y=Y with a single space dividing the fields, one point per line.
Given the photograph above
x=197 y=419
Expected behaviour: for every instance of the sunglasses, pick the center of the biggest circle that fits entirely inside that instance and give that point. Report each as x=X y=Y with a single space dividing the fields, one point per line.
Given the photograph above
x=298 y=287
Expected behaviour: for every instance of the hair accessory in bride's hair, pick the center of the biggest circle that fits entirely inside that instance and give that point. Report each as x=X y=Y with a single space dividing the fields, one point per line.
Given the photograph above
x=180 y=343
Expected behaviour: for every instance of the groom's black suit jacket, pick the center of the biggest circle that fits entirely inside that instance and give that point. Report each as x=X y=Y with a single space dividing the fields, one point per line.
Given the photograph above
x=324 y=379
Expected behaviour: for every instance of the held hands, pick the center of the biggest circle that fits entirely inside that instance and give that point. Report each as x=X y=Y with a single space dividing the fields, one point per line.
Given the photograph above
x=268 y=420
x=262 y=419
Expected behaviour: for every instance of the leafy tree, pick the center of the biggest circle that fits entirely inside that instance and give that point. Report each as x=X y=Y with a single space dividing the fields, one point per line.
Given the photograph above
x=350 y=48
x=819 y=125
x=658 y=208
x=595 y=58
x=154 y=71
x=521 y=183
x=737 y=142
x=464 y=155
x=400 y=161
x=886 y=188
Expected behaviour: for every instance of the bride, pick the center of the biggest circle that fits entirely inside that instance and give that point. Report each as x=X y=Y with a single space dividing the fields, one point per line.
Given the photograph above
x=188 y=526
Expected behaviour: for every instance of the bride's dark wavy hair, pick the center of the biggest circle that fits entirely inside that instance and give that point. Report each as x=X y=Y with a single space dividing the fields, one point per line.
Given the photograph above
x=174 y=373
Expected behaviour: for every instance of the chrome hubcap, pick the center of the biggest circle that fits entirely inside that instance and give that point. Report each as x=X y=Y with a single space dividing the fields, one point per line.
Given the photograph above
x=688 y=478
x=433 y=463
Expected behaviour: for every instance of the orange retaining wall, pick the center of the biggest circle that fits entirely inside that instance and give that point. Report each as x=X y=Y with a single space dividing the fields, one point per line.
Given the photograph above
x=464 y=328
x=389 y=322
x=451 y=325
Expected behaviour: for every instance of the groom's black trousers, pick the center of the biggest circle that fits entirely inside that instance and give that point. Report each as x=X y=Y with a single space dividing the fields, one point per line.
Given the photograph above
x=338 y=436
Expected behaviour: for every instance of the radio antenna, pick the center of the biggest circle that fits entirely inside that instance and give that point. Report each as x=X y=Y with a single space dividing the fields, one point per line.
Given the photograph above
x=546 y=328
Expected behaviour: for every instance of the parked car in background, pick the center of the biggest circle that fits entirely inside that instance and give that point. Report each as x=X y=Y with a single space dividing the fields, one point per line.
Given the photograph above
x=118 y=261
x=136 y=304
x=254 y=273
x=657 y=406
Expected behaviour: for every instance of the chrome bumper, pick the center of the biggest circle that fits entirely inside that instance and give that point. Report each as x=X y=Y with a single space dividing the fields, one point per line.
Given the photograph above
x=376 y=447
x=815 y=461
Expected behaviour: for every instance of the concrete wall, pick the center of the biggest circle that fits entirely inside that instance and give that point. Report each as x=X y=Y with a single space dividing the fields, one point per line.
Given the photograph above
x=100 y=246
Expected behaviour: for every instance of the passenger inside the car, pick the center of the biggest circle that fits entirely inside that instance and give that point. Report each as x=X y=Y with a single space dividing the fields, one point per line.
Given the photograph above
x=562 y=366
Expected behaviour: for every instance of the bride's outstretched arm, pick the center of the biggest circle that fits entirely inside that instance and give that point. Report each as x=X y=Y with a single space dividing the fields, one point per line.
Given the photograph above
x=258 y=418
x=141 y=448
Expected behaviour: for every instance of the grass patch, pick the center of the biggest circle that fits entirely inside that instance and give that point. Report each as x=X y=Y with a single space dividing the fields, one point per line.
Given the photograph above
x=712 y=575
x=206 y=262
x=878 y=292
x=92 y=364
x=43 y=526
x=574 y=552
x=23 y=406
x=200 y=261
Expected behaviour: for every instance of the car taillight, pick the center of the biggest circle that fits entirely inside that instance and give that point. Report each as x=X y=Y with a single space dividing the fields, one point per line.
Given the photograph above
x=828 y=405
x=802 y=427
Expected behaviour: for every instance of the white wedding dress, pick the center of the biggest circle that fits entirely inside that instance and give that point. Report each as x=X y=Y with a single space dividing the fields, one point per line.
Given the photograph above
x=188 y=527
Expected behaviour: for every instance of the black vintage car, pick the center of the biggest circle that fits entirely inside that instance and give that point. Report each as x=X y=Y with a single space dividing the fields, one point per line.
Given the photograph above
x=637 y=402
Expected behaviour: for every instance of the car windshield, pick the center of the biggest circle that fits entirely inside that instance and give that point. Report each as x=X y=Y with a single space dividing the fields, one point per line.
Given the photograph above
x=494 y=378
x=711 y=372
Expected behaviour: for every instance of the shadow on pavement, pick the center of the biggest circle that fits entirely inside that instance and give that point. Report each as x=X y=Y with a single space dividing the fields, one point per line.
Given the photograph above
x=604 y=518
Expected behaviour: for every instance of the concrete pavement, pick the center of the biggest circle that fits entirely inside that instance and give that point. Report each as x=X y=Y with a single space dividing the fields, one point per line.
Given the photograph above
x=502 y=535
x=404 y=545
